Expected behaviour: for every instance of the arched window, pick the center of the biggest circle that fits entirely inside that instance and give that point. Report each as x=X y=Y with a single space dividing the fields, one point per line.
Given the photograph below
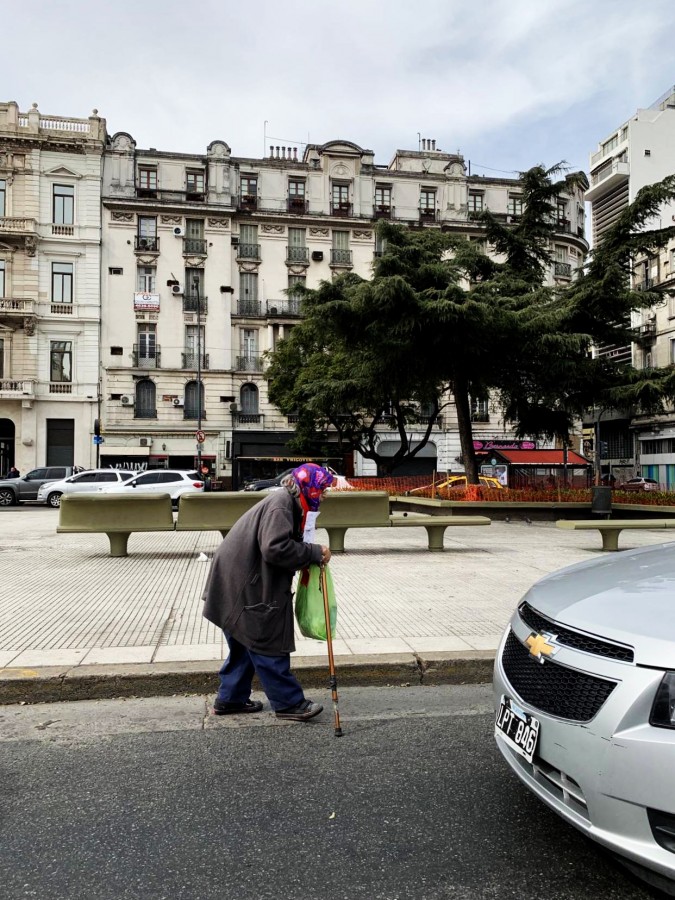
x=194 y=400
x=249 y=399
x=146 y=395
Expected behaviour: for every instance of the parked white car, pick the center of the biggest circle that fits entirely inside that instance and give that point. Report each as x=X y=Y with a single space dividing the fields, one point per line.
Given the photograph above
x=159 y=481
x=84 y=482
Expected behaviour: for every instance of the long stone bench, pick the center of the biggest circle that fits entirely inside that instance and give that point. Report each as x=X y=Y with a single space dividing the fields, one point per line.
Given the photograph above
x=370 y=509
x=610 y=529
x=217 y=511
x=116 y=516
x=120 y=515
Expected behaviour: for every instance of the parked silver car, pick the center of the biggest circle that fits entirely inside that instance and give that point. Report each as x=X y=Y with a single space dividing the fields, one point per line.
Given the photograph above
x=17 y=490
x=85 y=482
x=584 y=687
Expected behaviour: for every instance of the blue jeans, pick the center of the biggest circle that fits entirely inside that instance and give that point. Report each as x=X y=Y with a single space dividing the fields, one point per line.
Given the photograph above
x=282 y=688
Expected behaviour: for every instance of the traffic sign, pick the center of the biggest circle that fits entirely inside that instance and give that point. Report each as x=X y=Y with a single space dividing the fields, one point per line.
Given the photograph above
x=201 y=437
x=98 y=439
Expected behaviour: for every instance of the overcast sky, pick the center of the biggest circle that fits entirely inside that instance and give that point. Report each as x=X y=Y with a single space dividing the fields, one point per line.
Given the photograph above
x=510 y=84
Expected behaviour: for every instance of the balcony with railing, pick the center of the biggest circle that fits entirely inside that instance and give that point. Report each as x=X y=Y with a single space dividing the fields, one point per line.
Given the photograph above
x=15 y=388
x=340 y=257
x=17 y=225
x=194 y=246
x=247 y=418
x=297 y=254
x=385 y=211
x=61 y=309
x=250 y=362
x=145 y=357
x=342 y=209
x=190 y=358
x=288 y=306
x=193 y=304
x=428 y=214
x=645 y=284
x=247 y=202
x=60 y=387
x=297 y=205
x=63 y=230
x=562 y=270
x=248 y=251
x=606 y=178
x=13 y=308
x=146 y=244
x=249 y=308
x=648 y=332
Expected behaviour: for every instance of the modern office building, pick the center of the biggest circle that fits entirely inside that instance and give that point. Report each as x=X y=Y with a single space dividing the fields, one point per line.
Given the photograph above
x=201 y=253
x=639 y=153
x=50 y=245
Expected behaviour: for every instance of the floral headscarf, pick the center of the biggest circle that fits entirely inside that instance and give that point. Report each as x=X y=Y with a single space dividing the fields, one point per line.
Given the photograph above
x=312 y=481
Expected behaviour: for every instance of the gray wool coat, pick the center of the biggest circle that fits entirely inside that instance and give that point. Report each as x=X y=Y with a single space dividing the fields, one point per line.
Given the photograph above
x=248 y=592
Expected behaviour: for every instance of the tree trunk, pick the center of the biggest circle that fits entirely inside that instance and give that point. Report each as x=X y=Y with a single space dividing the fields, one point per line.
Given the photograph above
x=460 y=390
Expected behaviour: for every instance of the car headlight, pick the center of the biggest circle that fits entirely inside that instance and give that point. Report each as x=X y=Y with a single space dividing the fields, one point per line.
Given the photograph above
x=663 y=708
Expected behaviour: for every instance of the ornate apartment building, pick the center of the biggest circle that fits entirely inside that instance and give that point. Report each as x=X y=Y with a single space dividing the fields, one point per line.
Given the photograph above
x=50 y=245
x=639 y=153
x=200 y=257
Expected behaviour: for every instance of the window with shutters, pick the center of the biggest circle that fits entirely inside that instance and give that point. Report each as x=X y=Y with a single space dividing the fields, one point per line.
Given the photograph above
x=145 y=406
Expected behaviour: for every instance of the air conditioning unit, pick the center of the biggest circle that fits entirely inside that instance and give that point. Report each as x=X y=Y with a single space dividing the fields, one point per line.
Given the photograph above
x=178 y=231
x=177 y=289
x=234 y=240
x=127 y=400
x=145 y=442
x=317 y=255
x=178 y=401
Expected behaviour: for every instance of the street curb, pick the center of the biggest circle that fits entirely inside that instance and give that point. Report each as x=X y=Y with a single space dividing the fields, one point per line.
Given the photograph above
x=105 y=682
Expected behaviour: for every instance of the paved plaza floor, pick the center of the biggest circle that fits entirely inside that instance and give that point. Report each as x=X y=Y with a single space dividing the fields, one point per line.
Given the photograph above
x=65 y=602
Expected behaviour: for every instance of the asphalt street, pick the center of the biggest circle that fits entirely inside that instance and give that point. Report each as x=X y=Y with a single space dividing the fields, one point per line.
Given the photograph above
x=154 y=799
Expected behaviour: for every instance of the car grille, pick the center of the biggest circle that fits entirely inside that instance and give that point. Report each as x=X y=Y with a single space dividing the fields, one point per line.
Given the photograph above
x=574 y=639
x=552 y=688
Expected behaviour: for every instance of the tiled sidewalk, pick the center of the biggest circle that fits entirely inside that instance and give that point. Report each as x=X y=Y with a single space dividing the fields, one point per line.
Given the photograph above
x=65 y=602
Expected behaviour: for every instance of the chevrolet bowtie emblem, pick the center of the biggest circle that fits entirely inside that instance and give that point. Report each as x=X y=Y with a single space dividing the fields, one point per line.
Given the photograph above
x=540 y=645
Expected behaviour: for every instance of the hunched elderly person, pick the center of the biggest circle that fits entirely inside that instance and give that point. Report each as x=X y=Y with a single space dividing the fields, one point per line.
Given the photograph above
x=248 y=595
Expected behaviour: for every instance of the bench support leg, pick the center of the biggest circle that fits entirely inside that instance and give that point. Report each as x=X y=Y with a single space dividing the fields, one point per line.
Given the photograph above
x=435 y=534
x=118 y=543
x=610 y=539
x=336 y=539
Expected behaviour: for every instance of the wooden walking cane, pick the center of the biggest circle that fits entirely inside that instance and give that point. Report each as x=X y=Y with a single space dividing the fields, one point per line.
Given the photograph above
x=331 y=660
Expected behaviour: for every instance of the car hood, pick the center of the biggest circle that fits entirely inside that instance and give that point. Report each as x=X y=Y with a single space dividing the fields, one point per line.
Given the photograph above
x=627 y=597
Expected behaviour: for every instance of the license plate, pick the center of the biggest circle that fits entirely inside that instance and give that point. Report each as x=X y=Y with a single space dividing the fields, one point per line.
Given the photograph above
x=519 y=729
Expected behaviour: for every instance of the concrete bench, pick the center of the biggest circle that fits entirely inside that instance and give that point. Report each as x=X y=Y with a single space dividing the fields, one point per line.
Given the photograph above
x=610 y=529
x=116 y=516
x=216 y=511
x=370 y=509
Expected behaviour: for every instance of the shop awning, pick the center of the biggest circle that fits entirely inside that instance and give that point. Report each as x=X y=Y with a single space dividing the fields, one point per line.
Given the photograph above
x=539 y=458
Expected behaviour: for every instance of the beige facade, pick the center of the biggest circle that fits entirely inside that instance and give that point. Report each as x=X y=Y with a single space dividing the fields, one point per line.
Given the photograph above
x=200 y=253
x=50 y=241
x=639 y=153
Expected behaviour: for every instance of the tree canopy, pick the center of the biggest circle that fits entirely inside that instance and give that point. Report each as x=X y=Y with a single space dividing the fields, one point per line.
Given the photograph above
x=441 y=321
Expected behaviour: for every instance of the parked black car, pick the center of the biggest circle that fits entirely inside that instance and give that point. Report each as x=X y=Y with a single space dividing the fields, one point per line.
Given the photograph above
x=262 y=484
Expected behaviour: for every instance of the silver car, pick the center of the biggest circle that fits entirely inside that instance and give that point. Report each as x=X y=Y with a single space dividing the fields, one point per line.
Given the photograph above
x=85 y=482
x=584 y=687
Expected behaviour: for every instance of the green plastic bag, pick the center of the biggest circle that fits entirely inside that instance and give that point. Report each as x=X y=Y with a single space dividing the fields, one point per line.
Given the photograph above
x=309 y=610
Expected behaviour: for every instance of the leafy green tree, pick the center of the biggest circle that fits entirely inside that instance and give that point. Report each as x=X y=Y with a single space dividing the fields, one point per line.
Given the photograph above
x=439 y=315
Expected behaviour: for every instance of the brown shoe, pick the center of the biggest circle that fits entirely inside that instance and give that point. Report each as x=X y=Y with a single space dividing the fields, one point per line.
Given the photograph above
x=304 y=711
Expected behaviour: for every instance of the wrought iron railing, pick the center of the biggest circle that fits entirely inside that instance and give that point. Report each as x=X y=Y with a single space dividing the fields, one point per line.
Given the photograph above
x=145 y=244
x=189 y=360
x=297 y=254
x=248 y=251
x=146 y=358
x=340 y=257
x=196 y=246
x=190 y=303
x=251 y=362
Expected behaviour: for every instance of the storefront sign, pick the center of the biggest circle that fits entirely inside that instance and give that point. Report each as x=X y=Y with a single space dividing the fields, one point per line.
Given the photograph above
x=146 y=301
x=503 y=444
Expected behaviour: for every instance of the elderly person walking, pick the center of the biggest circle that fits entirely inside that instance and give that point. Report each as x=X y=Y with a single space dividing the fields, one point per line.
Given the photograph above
x=248 y=595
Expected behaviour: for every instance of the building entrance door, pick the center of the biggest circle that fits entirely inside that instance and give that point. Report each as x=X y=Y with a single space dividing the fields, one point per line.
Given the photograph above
x=7 y=436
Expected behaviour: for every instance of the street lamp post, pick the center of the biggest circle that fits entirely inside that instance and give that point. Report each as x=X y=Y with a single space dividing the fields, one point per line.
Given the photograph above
x=195 y=282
